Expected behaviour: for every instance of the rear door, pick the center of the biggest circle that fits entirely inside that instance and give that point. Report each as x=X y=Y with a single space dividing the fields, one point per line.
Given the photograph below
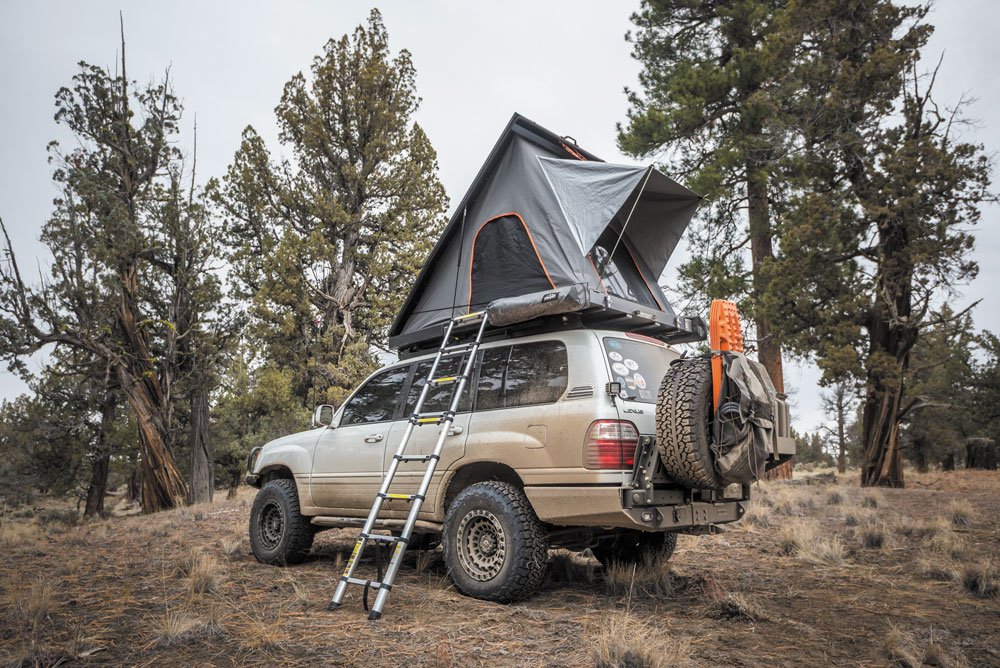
x=515 y=419
x=424 y=438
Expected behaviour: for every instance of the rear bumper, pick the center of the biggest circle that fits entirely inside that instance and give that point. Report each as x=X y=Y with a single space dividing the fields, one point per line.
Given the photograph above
x=612 y=507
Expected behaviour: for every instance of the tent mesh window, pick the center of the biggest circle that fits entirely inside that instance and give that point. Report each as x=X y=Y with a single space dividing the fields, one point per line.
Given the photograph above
x=505 y=262
x=620 y=275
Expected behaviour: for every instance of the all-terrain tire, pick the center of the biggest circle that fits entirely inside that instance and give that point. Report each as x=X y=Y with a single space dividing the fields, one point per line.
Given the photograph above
x=279 y=534
x=494 y=544
x=635 y=547
x=683 y=422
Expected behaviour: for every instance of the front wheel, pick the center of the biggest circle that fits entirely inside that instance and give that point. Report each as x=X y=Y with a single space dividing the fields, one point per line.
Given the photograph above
x=494 y=544
x=636 y=547
x=279 y=534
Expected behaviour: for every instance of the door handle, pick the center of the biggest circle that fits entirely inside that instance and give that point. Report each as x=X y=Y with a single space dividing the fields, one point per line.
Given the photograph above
x=373 y=438
x=455 y=431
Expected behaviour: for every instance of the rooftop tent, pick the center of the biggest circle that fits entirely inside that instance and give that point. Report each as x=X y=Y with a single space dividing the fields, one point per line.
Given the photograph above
x=545 y=216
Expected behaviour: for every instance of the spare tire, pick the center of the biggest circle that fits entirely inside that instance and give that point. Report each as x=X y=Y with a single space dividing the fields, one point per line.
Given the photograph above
x=684 y=422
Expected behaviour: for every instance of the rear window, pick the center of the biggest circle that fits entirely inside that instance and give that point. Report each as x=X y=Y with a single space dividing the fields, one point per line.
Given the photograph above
x=638 y=366
x=522 y=375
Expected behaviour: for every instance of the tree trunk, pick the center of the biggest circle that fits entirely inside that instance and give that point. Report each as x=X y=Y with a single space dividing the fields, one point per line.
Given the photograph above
x=202 y=460
x=102 y=464
x=948 y=464
x=162 y=486
x=761 y=251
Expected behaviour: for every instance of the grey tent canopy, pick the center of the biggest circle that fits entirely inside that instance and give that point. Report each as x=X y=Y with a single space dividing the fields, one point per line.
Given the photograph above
x=548 y=228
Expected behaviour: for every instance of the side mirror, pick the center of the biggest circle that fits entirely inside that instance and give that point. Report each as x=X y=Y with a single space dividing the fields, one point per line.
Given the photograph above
x=323 y=415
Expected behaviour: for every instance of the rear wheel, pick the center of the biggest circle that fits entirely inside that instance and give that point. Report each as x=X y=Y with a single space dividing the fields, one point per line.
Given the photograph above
x=494 y=544
x=683 y=422
x=279 y=534
x=635 y=547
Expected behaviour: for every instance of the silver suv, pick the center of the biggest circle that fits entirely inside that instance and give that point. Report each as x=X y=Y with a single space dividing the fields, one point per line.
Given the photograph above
x=554 y=445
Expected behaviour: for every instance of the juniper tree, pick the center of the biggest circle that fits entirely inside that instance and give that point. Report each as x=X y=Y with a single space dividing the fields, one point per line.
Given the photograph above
x=326 y=241
x=878 y=228
x=114 y=256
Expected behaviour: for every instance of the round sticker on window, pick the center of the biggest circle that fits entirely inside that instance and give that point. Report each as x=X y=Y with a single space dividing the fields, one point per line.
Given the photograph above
x=631 y=364
x=619 y=369
x=614 y=344
x=614 y=356
x=640 y=382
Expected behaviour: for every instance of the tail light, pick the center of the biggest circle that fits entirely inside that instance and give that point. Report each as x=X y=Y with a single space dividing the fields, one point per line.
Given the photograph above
x=610 y=445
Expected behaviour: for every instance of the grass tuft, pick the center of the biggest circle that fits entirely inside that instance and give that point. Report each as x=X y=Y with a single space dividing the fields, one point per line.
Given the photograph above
x=960 y=512
x=870 y=500
x=174 y=627
x=623 y=641
x=734 y=606
x=32 y=605
x=232 y=547
x=650 y=579
x=901 y=648
x=873 y=536
x=981 y=580
x=203 y=578
x=834 y=498
x=802 y=539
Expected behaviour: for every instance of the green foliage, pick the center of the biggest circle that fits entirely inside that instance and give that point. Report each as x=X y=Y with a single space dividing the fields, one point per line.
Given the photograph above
x=252 y=408
x=940 y=410
x=326 y=243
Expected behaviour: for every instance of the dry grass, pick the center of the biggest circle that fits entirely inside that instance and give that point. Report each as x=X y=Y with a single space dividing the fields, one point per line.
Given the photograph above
x=802 y=539
x=733 y=606
x=757 y=516
x=175 y=626
x=186 y=561
x=204 y=576
x=858 y=517
x=905 y=649
x=834 y=498
x=982 y=580
x=870 y=499
x=938 y=567
x=650 y=579
x=19 y=534
x=626 y=641
x=960 y=512
x=232 y=547
x=873 y=535
x=31 y=604
x=901 y=648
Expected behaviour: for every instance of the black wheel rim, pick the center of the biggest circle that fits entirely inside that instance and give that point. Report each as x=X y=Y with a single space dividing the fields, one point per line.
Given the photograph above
x=482 y=545
x=272 y=525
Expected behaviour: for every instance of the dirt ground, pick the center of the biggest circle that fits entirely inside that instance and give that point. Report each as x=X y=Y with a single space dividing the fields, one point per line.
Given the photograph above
x=816 y=574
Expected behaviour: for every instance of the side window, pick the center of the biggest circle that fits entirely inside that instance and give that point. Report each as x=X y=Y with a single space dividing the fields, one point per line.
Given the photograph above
x=489 y=392
x=536 y=374
x=523 y=375
x=377 y=399
x=439 y=396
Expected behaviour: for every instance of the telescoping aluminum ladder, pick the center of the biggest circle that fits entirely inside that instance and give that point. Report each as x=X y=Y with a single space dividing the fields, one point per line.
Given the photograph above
x=418 y=419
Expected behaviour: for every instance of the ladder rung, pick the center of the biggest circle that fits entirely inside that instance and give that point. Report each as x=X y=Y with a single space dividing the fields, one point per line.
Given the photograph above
x=401 y=497
x=469 y=318
x=416 y=458
x=431 y=418
x=374 y=584
x=447 y=379
x=457 y=348
x=384 y=539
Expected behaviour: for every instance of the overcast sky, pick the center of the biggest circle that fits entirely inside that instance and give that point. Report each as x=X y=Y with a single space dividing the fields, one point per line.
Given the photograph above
x=562 y=64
